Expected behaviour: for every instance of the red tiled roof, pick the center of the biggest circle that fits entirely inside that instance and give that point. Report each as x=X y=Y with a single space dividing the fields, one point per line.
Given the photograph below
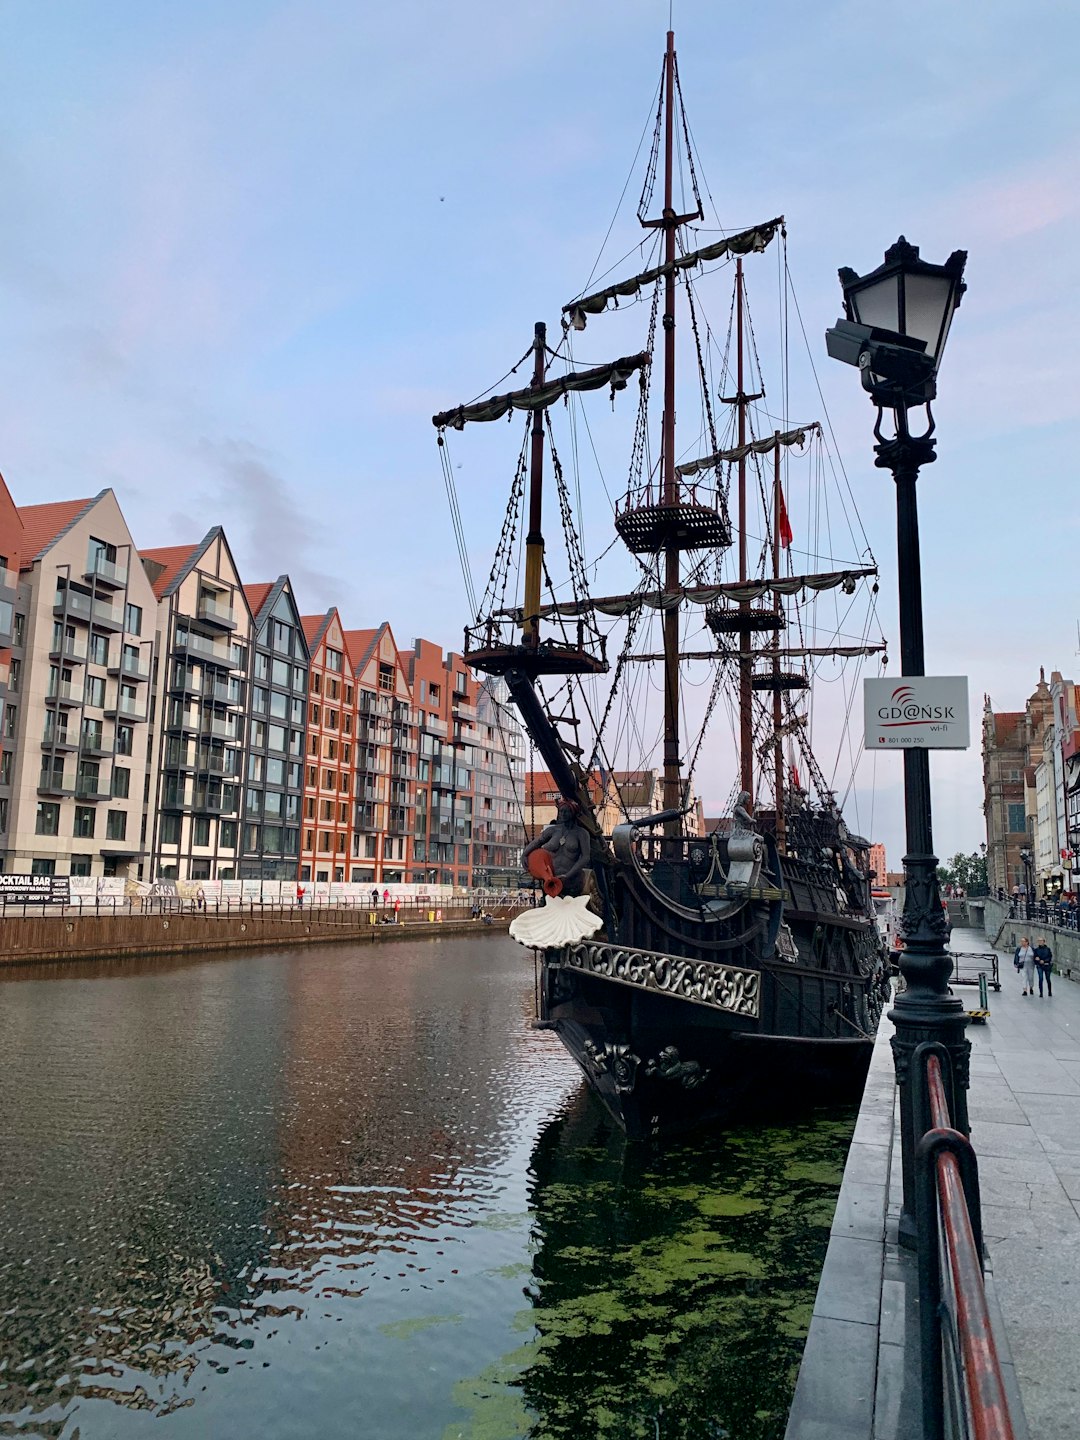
x=173 y=558
x=312 y=625
x=359 y=643
x=256 y=595
x=43 y=523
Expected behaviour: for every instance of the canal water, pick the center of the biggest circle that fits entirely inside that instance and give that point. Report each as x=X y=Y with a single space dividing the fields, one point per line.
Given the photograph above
x=351 y=1193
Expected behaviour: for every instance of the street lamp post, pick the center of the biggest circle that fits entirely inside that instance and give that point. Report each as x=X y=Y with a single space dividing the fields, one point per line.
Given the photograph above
x=897 y=322
x=1027 y=859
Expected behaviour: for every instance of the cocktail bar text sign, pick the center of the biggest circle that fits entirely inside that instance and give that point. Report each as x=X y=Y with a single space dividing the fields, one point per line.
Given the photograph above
x=928 y=712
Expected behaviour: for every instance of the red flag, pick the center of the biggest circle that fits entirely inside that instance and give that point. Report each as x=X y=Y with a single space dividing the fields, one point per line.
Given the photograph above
x=782 y=522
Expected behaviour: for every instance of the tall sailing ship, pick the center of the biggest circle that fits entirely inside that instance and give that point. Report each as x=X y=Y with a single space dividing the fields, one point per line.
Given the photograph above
x=693 y=972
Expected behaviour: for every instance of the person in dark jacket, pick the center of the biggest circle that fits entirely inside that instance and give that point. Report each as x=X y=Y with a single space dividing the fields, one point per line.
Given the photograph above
x=1044 y=964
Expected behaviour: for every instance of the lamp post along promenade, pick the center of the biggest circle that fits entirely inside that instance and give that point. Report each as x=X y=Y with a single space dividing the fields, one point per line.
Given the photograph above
x=896 y=323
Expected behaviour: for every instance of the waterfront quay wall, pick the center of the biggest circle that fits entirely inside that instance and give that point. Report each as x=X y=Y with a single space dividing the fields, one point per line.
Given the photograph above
x=1005 y=934
x=31 y=939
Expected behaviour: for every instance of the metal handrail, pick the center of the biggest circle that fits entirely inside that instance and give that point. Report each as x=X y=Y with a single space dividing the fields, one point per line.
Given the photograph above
x=962 y=1385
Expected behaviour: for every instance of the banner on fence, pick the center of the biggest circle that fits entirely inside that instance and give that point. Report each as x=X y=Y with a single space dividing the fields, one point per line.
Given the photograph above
x=35 y=889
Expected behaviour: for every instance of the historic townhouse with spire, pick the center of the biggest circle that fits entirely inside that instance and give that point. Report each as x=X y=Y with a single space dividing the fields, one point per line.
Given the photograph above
x=277 y=730
x=204 y=635
x=326 y=848
x=85 y=618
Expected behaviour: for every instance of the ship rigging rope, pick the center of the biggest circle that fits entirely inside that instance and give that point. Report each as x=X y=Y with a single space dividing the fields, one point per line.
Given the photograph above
x=459 y=532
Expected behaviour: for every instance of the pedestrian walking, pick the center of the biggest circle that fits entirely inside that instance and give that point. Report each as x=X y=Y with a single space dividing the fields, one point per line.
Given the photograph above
x=300 y=896
x=386 y=897
x=375 y=898
x=1044 y=965
x=1024 y=960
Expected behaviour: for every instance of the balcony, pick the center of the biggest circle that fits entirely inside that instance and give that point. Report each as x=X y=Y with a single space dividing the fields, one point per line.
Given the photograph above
x=173 y=799
x=213 y=612
x=59 y=740
x=71 y=654
x=224 y=730
x=95 y=746
x=434 y=726
x=125 y=709
x=65 y=695
x=90 y=789
x=128 y=669
x=54 y=787
x=204 y=647
x=106 y=572
x=210 y=802
x=9 y=580
x=464 y=711
x=228 y=695
x=74 y=604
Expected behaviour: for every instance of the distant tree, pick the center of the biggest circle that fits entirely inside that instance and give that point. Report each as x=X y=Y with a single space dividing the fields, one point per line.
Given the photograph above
x=967 y=871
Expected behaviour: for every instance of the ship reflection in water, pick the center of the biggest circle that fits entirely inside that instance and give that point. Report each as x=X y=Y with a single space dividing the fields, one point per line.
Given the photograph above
x=350 y=1193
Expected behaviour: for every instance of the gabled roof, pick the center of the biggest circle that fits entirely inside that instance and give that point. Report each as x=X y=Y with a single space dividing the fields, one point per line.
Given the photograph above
x=361 y=643
x=256 y=595
x=314 y=628
x=44 y=524
x=175 y=562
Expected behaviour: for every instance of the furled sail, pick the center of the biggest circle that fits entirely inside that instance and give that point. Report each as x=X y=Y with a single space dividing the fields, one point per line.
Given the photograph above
x=741 y=244
x=539 y=397
x=753 y=447
x=699 y=594
x=788 y=653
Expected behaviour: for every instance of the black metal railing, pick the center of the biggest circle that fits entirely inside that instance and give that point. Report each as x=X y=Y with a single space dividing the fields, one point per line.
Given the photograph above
x=501 y=905
x=963 y=1392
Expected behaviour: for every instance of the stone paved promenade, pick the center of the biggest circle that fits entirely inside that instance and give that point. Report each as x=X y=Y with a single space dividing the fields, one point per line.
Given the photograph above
x=1025 y=1126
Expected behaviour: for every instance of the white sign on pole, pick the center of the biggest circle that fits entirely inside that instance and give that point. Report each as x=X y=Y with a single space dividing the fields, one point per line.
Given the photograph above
x=921 y=712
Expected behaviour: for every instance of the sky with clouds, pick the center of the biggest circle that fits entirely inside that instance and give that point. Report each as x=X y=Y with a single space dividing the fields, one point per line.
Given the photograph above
x=248 y=249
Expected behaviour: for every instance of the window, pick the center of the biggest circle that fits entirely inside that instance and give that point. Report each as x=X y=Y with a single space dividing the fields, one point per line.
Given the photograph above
x=328 y=780
x=251 y=837
x=276 y=738
x=262 y=665
x=331 y=749
x=48 y=818
x=14 y=671
x=256 y=767
x=348 y=723
x=296 y=710
x=121 y=782
x=100 y=555
x=314 y=714
x=42 y=867
x=10 y=717
x=343 y=813
x=299 y=678
x=129 y=659
x=328 y=810
x=333 y=660
x=92 y=735
x=280 y=637
x=52 y=772
x=125 y=739
x=1017 y=818
x=238 y=656
x=253 y=802
x=343 y=782
x=296 y=776
x=272 y=806
x=228 y=834
x=99 y=649
x=279 y=705
x=7 y=758
x=200 y=830
x=281 y=673
x=200 y=869
x=275 y=771
x=346 y=752
x=133 y=619
x=312 y=777
x=386 y=676
x=170 y=829
x=85 y=816
x=258 y=734
x=259 y=698
x=316 y=682
x=80 y=865
x=313 y=745
x=296 y=742
x=309 y=808
x=116 y=825
x=325 y=841
x=95 y=690
x=19 y=633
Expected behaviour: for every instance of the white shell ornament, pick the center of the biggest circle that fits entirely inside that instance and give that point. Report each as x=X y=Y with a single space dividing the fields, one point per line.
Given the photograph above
x=561 y=920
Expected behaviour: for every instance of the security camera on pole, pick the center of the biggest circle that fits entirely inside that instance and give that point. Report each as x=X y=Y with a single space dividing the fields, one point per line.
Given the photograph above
x=896 y=323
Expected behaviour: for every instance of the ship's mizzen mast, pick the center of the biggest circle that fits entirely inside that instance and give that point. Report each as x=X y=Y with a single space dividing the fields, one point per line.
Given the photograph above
x=746 y=726
x=777 y=704
x=534 y=540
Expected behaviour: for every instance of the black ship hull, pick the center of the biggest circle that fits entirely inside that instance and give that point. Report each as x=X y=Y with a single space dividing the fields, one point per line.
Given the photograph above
x=678 y=1023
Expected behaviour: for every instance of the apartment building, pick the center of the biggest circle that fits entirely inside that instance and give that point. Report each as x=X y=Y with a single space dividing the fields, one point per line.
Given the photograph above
x=445 y=694
x=203 y=638
x=498 y=834
x=326 y=837
x=1012 y=745
x=12 y=660
x=84 y=617
x=386 y=758
x=274 y=760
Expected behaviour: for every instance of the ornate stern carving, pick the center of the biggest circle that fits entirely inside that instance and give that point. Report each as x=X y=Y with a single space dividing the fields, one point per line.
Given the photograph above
x=706 y=982
x=668 y=1066
x=618 y=1061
